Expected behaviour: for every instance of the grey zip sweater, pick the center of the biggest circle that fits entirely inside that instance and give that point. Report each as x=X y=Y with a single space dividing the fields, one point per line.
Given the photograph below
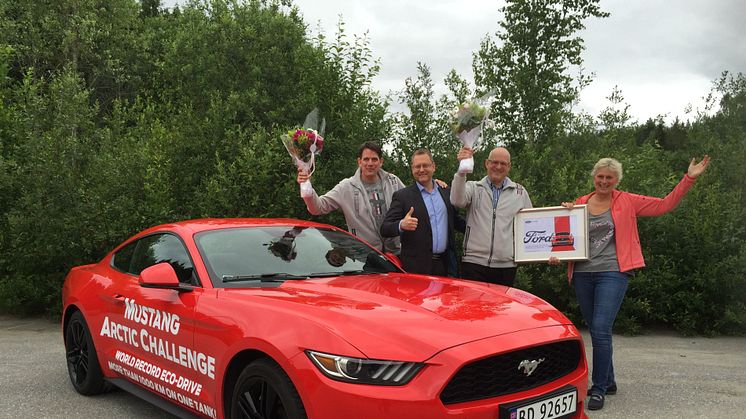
x=488 y=240
x=349 y=196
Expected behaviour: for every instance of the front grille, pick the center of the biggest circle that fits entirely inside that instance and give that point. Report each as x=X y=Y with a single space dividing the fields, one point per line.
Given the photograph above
x=500 y=374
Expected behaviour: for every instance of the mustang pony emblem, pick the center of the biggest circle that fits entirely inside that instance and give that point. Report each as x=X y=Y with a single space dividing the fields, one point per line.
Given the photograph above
x=529 y=367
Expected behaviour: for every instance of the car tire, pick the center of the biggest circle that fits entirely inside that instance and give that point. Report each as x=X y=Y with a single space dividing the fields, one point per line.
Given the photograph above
x=82 y=361
x=264 y=391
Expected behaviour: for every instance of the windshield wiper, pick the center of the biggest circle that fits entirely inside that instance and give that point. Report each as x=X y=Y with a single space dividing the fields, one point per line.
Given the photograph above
x=270 y=277
x=343 y=273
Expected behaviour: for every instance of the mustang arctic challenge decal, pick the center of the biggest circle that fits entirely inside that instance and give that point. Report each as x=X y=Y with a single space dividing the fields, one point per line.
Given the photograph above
x=141 y=338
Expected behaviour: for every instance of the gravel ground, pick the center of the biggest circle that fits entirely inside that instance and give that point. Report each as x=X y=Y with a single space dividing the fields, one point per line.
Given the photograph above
x=660 y=375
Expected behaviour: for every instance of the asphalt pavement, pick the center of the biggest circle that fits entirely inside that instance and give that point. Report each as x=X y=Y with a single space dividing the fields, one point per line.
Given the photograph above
x=660 y=375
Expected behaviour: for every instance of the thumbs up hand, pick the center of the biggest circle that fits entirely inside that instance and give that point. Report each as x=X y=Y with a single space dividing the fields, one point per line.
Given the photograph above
x=408 y=223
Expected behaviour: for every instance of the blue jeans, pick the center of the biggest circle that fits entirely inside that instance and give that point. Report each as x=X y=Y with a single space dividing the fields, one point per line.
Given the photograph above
x=600 y=295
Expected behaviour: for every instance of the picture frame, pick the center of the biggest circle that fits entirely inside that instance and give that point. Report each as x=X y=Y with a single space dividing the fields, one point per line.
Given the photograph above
x=540 y=233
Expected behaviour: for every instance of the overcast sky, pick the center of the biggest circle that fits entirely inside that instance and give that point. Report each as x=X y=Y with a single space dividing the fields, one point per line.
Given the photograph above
x=663 y=54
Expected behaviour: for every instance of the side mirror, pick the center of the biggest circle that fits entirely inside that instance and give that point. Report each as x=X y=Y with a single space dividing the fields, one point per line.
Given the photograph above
x=161 y=275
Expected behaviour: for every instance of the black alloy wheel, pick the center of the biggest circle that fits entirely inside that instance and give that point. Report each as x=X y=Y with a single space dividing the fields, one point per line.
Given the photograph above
x=82 y=362
x=264 y=391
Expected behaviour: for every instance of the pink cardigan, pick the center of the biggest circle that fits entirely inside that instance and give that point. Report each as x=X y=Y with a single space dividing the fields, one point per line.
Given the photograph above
x=625 y=208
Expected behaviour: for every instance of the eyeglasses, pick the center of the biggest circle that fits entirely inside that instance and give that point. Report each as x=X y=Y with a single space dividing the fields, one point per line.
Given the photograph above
x=498 y=163
x=422 y=166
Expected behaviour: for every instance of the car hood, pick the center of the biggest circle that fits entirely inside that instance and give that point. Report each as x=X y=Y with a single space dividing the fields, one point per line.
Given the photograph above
x=410 y=317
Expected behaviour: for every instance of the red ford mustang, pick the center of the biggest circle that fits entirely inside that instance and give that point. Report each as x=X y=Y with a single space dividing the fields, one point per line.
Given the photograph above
x=248 y=318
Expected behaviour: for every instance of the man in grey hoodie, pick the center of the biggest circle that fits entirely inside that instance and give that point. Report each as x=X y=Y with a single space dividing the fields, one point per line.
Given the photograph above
x=491 y=204
x=363 y=198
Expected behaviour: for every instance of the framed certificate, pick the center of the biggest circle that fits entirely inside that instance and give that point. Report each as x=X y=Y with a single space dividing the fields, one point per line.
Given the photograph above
x=540 y=233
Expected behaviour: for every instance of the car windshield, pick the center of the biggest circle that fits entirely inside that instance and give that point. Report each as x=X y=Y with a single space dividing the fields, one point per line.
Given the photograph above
x=247 y=256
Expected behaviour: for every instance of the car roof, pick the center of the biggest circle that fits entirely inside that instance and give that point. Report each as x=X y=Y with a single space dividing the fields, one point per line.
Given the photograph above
x=205 y=224
x=192 y=227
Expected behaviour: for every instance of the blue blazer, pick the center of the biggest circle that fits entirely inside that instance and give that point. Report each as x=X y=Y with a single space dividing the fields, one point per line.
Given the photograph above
x=416 y=246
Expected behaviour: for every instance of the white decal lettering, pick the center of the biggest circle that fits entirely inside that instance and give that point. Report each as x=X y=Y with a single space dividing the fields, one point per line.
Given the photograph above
x=151 y=317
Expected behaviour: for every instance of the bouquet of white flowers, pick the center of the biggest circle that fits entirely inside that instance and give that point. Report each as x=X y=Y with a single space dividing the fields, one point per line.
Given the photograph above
x=467 y=121
x=303 y=144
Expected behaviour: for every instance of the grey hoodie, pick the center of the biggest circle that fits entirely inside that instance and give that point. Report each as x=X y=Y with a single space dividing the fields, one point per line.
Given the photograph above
x=488 y=240
x=349 y=196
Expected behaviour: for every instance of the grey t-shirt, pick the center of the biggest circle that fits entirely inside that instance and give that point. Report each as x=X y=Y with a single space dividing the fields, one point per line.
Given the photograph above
x=602 y=245
x=377 y=202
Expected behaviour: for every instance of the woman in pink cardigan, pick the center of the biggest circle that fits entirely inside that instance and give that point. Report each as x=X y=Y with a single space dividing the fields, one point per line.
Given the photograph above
x=601 y=282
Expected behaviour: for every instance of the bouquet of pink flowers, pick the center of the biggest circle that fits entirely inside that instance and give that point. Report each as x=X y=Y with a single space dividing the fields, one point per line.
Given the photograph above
x=467 y=121
x=303 y=144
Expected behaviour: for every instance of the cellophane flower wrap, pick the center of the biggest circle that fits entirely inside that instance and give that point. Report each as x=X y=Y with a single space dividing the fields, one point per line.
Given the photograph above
x=467 y=121
x=303 y=144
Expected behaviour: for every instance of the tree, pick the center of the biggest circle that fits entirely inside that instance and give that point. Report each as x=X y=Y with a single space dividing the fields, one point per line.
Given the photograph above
x=112 y=120
x=103 y=40
x=426 y=123
x=615 y=114
x=529 y=66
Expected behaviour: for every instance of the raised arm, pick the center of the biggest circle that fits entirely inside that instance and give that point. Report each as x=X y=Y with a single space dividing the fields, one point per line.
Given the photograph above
x=460 y=194
x=647 y=206
x=320 y=205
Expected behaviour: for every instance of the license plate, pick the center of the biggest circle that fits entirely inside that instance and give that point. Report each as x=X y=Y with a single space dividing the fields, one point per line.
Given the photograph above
x=553 y=407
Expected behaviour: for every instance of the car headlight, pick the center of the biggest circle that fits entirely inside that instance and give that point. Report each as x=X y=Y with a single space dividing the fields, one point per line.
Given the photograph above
x=363 y=370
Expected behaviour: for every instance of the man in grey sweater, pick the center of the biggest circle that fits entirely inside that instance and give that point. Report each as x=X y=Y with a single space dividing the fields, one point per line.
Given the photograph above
x=491 y=203
x=363 y=198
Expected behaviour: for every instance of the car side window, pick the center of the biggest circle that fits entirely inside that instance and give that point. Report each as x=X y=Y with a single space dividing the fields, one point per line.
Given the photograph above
x=159 y=248
x=123 y=258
